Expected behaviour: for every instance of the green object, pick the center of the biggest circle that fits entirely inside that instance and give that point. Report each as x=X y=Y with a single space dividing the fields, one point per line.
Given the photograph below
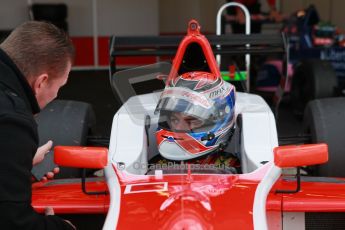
x=239 y=76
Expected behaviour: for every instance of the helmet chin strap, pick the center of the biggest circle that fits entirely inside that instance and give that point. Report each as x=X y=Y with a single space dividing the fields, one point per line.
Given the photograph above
x=222 y=146
x=208 y=137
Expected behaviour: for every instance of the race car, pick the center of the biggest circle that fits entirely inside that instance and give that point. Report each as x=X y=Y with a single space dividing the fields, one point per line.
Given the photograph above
x=271 y=191
x=316 y=61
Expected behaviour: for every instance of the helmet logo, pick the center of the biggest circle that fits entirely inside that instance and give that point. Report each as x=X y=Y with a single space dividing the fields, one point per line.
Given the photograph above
x=217 y=92
x=202 y=82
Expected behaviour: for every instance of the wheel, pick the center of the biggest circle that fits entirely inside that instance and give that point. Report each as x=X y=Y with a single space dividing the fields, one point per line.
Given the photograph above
x=312 y=79
x=61 y=24
x=324 y=121
x=4 y=34
x=49 y=12
x=65 y=123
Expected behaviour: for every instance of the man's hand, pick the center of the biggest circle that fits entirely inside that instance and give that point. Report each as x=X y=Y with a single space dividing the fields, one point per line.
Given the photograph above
x=39 y=156
x=50 y=175
x=49 y=211
x=41 y=152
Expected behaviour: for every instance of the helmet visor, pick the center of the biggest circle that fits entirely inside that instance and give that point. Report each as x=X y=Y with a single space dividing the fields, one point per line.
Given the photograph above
x=183 y=110
x=186 y=101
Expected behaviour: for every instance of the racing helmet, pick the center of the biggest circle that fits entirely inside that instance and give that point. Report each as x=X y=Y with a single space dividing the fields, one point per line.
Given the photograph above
x=196 y=115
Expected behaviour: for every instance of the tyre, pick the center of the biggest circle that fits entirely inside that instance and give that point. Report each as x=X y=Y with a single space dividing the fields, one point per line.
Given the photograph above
x=61 y=24
x=312 y=79
x=65 y=123
x=324 y=120
x=49 y=12
x=4 y=34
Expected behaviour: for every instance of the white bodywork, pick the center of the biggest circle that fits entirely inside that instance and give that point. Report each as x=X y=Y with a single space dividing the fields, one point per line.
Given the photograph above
x=130 y=152
x=128 y=143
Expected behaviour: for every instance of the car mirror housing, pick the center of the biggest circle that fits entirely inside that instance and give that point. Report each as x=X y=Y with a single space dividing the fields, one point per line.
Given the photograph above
x=81 y=157
x=300 y=155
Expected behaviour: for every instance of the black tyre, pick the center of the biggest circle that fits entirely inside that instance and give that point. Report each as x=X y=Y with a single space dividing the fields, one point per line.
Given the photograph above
x=65 y=123
x=313 y=79
x=324 y=120
x=61 y=24
x=49 y=12
x=4 y=34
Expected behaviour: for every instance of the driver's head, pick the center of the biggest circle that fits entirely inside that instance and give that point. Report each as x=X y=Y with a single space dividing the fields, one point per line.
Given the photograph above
x=196 y=115
x=181 y=122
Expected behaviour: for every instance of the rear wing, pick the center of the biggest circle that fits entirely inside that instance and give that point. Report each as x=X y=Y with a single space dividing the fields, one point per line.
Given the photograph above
x=234 y=44
x=161 y=47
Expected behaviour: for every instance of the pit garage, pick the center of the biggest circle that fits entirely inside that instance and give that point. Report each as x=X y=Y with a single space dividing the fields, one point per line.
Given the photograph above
x=278 y=67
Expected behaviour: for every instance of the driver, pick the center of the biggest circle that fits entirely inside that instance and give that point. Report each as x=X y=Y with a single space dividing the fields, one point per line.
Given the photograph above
x=196 y=121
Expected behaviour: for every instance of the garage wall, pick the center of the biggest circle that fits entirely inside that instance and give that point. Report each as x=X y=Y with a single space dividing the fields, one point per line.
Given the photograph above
x=12 y=13
x=123 y=17
x=329 y=10
x=205 y=11
x=90 y=24
x=128 y=17
x=337 y=13
x=147 y=17
x=175 y=14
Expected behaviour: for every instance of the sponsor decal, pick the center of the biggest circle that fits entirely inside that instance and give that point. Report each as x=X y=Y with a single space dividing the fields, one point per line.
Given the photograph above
x=221 y=91
x=217 y=92
x=146 y=187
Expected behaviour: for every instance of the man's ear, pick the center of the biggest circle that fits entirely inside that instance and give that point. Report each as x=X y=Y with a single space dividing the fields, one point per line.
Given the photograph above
x=40 y=82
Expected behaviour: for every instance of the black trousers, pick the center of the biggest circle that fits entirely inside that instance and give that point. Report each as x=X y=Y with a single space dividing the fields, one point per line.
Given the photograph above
x=21 y=215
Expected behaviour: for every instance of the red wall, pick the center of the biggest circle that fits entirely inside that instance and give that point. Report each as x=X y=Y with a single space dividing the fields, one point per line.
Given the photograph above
x=84 y=54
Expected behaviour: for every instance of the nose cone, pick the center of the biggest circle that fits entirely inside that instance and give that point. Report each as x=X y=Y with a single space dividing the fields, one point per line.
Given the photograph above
x=187 y=219
x=187 y=210
x=195 y=202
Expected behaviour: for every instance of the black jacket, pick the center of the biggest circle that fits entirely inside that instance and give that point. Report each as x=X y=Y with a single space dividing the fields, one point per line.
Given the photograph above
x=18 y=145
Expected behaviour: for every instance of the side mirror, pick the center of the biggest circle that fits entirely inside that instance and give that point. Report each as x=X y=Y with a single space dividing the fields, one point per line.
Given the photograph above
x=81 y=157
x=285 y=157
x=300 y=155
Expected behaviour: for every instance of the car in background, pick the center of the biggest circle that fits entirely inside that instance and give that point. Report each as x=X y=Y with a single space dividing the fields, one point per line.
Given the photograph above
x=316 y=61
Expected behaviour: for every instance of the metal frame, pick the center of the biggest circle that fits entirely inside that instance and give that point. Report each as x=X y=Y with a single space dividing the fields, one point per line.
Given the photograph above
x=247 y=32
x=243 y=8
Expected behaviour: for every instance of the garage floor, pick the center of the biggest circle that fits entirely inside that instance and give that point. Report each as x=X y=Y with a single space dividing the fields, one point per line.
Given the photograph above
x=93 y=87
